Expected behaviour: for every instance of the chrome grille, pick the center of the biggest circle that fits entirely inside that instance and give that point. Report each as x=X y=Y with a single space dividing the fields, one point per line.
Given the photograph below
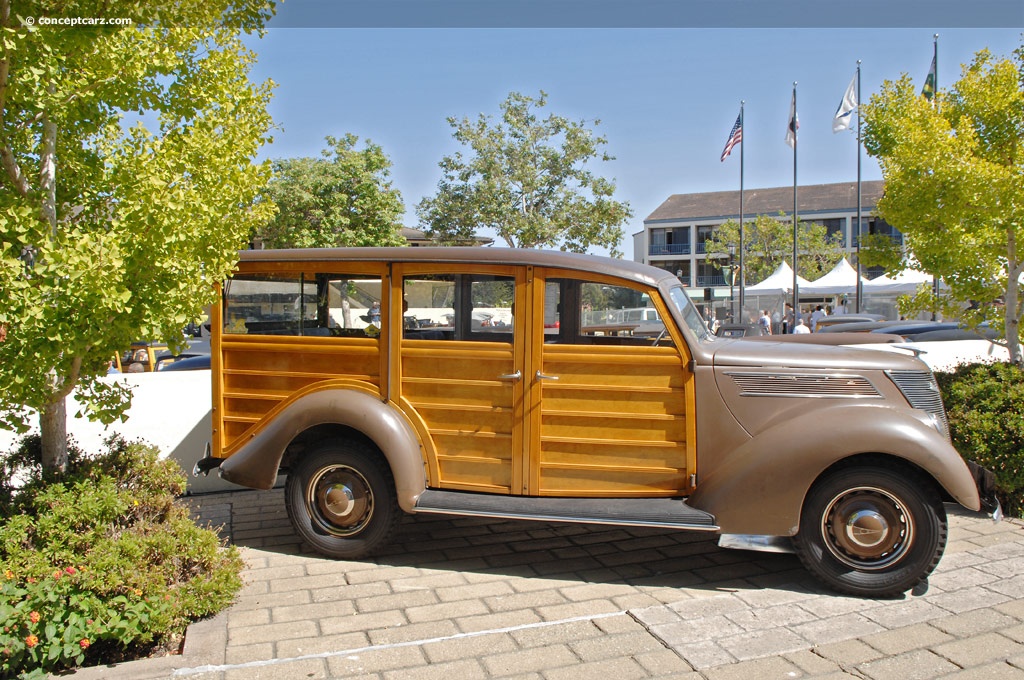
x=804 y=385
x=921 y=390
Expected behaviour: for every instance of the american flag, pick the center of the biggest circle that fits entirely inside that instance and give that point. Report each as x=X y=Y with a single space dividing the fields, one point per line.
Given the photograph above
x=735 y=137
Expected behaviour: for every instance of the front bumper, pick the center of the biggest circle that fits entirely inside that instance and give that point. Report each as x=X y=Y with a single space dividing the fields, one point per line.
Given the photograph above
x=986 y=481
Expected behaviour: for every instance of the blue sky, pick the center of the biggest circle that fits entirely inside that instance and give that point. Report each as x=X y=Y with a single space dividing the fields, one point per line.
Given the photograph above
x=666 y=98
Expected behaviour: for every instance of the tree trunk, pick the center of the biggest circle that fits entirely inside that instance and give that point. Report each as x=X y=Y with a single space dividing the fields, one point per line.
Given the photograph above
x=1011 y=318
x=53 y=426
x=1011 y=303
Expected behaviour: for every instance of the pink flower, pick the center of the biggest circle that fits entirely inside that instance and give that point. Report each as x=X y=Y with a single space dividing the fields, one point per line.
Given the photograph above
x=34 y=617
x=31 y=641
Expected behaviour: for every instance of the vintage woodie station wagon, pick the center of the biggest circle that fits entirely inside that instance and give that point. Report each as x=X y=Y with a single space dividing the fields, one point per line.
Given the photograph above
x=505 y=383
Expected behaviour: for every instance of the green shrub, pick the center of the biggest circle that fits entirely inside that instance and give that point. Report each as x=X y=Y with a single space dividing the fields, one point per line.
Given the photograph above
x=985 y=405
x=101 y=563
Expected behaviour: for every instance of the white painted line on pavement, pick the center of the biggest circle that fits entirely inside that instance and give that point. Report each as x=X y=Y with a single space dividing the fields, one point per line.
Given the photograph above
x=183 y=672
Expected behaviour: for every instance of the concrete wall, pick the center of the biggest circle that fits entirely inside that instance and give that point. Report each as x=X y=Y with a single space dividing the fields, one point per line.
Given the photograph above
x=169 y=410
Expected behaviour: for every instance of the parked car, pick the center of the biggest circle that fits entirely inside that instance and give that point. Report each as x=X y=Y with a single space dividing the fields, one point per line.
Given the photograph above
x=738 y=330
x=198 y=362
x=140 y=357
x=195 y=347
x=937 y=331
x=864 y=326
x=572 y=423
x=841 y=322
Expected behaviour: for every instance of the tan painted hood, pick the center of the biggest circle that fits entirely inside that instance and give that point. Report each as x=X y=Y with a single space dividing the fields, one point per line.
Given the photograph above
x=795 y=352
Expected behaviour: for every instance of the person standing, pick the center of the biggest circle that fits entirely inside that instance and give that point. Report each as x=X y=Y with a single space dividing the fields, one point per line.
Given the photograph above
x=817 y=315
x=800 y=328
x=789 y=320
x=764 y=322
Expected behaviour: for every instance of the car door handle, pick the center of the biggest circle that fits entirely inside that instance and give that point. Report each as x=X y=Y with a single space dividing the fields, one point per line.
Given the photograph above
x=542 y=376
x=514 y=377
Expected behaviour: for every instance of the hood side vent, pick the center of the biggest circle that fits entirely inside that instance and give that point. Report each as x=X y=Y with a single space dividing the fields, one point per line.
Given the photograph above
x=804 y=385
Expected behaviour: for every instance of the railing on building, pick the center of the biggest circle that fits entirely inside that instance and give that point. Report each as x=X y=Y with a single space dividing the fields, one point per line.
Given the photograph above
x=896 y=238
x=711 y=280
x=669 y=249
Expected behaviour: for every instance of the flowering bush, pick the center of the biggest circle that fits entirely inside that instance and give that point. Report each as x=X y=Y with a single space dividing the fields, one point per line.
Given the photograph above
x=99 y=564
x=52 y=622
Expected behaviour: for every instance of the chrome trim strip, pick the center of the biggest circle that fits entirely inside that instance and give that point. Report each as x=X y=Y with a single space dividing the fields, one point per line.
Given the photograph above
x=805 y=385
x=921 y=391
x=758 y=542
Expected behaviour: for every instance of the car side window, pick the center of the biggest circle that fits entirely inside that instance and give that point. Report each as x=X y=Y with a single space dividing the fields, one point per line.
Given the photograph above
x=307 y=304
x=458 y=307
x=593 y=313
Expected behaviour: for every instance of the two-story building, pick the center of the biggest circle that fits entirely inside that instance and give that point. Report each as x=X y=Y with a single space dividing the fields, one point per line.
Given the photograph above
x=675 y=234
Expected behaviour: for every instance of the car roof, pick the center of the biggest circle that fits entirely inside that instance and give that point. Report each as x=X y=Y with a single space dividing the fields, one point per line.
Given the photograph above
x=626 y=269
x=863 y=326
x=839 y=319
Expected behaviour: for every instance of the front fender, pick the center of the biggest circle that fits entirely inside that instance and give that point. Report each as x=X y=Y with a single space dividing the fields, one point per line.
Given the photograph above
x=255 y=464
x=759 y=487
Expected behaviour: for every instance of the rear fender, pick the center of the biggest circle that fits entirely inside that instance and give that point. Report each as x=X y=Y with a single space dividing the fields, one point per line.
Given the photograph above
x=256 y=463
x=759 y=487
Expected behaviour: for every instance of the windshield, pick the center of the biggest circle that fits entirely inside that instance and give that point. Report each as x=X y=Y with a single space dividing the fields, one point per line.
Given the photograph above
x=691 y=316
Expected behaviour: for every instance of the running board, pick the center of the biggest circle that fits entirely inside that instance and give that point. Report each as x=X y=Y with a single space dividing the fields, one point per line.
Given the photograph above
x=666 y=513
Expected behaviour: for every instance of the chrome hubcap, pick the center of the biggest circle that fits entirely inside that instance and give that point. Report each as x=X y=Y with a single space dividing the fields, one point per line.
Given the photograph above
x=867 y=528
x=339 y=500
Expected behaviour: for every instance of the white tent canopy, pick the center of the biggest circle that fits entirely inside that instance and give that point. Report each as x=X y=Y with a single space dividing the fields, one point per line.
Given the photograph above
x=842 y=279
x=906 y=281
x=779 y=283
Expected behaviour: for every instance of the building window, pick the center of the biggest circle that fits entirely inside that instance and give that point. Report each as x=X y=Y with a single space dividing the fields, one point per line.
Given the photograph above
x=703 y=236
x=674 y=241
x=835 y=227
x=876 y=225
x=708 y=275
x=681 y=268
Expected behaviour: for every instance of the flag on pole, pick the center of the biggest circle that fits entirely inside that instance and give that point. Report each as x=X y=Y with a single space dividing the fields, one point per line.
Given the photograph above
x=735 y=137
x=794 y=123
x=929 y=82
x=844 y=113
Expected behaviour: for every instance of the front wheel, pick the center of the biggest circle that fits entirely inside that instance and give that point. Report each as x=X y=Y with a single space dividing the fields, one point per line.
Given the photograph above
x=872 y=531
x=341 y=500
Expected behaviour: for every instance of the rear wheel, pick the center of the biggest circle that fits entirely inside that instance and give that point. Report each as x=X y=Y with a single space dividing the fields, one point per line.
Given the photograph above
x=872 y=531
x=341 y=500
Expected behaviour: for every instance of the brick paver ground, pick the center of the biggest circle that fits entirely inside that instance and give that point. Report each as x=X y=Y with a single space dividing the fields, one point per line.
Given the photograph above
x=458 y=599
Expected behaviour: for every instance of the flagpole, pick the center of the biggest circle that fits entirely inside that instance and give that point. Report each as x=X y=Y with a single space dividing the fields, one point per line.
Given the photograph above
x=860 y=285
x=742 y=270
x=935 y=104
x=796 y=217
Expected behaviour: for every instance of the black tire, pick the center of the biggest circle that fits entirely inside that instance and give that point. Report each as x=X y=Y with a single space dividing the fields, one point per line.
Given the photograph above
x=341 y=500
x=872 y=531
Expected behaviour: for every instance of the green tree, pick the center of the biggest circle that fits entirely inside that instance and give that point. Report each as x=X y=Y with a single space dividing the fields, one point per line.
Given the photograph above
x=344 y=198
x=527 y=179
x=954 y=185
x=128 y=186
x=768 y=241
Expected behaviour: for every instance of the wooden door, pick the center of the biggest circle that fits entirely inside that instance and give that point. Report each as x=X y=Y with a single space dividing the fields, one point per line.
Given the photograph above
x=610 y=406
x=461 y=372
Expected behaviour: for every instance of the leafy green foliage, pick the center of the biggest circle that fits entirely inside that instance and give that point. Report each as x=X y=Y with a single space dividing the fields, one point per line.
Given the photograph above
x=818 y=252
x=526 y=178
x=101 y=561
x=985 y=405
x=344 y=198
x=954 y=187
x=127 y=188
